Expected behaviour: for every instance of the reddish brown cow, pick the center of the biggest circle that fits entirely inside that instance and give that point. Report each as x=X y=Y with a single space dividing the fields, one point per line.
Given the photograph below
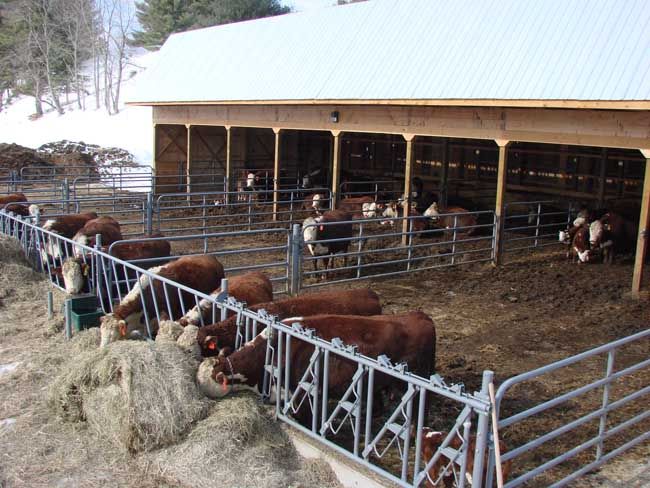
x=251 y=288
x=451 y=221
x=406 y=338
x=107 y=227
x=580 y=245
x=362 y=301
x=611 y=234
x=201 y=273
x=359 y=207
x=431 y=442
x=76 y=270
x=334 y=224
x=68 y=225
x=12 y=198
x=315 y=202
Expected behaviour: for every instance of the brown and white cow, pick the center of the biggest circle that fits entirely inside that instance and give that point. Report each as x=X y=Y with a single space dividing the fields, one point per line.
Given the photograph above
x=406 y=338
x=445 y=218
x=12 y=198
x=107 y=227
x=75 y=271
x=611 y=234
x=334 y=224
x=440 y=475
x=315 y=202
x=65 y=226
x=212 y=338
x=17 y=203
x=250 y=288
x=359 y=207
x=580 y=248
x=201 y=273
x=394 y=210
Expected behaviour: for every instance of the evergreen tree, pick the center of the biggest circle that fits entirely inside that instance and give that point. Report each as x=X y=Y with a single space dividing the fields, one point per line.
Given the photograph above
x=215 y=12
x=159 y=18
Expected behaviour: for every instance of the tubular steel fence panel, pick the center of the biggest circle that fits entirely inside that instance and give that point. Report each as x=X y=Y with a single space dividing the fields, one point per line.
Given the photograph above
x=230 y=211
x=377 y=249
x=595 y=433
x=534 y=225
x=382 y=190
x=345 y=421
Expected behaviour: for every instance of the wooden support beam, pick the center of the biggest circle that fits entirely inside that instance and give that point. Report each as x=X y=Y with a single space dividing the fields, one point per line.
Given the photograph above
x=644 y=229
x=443 y=190
x=336 y=167
x=228 y=182
x=602 y=178
x=276 y=172
x=408 y=169
x=188 y=163
x=154 y=163
x=499 y=206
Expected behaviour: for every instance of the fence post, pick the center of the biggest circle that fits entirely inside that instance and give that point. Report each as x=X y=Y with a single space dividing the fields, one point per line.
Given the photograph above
x=223 y=296
x=67 y=312
x=98 y=272
x=539 y=211
x=296 y=259
x=65 y=188
x=482 y=433
x=149 y=214
x=14 y=181
x=603 y=418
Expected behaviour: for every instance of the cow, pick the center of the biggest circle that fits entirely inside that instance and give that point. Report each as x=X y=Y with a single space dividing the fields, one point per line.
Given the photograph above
x=359 y=207
x=394 y=211
x=584 y=217
x=408 y=338
x=362 y=301
x=76 y=270
x=442 y=471
x=12 y=198
x=65 y=226
x=316 y=202
x=334 y=224
x=247 y=185
x=611 y=234
x=201 y=273
x=447 y=218
x=107 y=227
x=250 y=288
x=580 y=245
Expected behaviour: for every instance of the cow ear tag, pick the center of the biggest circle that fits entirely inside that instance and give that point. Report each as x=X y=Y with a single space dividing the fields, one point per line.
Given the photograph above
x=321 y=228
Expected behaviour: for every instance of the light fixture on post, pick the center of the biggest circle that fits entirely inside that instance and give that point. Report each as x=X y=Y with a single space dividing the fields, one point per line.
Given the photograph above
x=334 y=117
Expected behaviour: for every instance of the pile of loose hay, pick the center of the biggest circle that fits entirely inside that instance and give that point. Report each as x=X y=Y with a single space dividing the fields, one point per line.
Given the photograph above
x=239 y=444
x=136 y=395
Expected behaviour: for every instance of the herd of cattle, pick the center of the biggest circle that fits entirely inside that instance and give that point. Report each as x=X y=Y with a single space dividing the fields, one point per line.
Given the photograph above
x=409 y=338
x=598 y=235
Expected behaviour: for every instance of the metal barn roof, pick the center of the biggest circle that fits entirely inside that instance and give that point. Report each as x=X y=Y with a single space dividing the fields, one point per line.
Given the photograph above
x=414 y=50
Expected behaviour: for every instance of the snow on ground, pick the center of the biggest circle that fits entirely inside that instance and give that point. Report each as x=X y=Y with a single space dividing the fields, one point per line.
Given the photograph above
x=131 y=129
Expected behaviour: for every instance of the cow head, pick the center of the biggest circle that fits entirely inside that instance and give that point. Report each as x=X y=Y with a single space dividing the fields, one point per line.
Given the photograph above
x=251 y=178
x=369 y=210
x=112 y=329
x=432 y=212
x=75 y=273
x=596 y=230
x=217 y=377
x=34 y=210
x=310 y=229
x=390 y=212
x=306 y=181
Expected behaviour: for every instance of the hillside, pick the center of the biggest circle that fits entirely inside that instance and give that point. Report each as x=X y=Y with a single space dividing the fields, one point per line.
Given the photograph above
x=131 y=129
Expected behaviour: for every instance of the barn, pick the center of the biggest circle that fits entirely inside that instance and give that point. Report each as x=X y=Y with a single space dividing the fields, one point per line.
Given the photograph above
x=488 y=102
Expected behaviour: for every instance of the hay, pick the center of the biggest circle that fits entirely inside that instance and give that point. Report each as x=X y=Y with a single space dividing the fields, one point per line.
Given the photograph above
x=188 y=341
x=169 y=331
x=136 y=395
x=11 y=252
x=238 y=444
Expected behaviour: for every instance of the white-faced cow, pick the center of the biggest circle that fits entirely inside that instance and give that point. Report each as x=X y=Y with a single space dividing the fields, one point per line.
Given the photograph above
x=451 y=217
x=611 y=234
x=75 y=271
x=332 y=225
x=214 y=337
x=65 y=226
x=201 y=273
x=316 y=203
x=250 y=288
x=393 y=210
x=442 y=473
x=359 y=207
x=408 y=338
x=107 y=227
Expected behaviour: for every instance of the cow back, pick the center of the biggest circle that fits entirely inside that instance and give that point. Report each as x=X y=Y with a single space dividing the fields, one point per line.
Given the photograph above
x=12 y=197
x=69 y=225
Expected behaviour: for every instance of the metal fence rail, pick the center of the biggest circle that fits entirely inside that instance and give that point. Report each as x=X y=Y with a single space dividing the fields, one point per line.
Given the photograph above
x=534 y=225
x=605 y=420
x=377 y=249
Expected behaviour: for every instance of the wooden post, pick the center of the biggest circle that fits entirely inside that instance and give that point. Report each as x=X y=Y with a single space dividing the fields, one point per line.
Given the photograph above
x=188 y=173
x=408 y=169
x=276 y=172
x=644 y=228
x=336 y=167
x=154 y=163
x=228 y=182
x=499 y=206
x=603 y=178
x=444 y=175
